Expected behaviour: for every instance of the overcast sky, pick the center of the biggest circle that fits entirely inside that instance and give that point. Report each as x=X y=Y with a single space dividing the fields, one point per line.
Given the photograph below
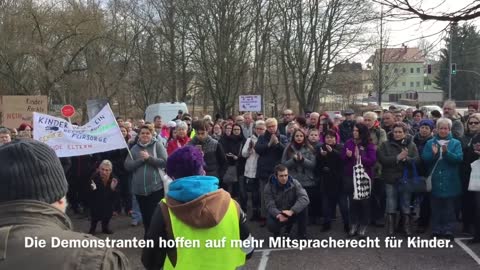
x=409 y=32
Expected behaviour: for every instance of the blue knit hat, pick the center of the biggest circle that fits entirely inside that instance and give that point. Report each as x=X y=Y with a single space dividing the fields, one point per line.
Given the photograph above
x=427 y=122
x=184 y=162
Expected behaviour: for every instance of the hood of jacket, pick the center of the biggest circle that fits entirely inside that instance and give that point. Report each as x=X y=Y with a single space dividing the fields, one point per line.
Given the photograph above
x=153 y=141
x=196 y=141
x=29 y=211
x=274 y=181
x=197 y=201
x=404 y=143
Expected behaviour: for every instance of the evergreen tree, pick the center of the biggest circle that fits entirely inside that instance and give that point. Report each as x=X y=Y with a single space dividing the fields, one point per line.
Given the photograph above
x=465 y=54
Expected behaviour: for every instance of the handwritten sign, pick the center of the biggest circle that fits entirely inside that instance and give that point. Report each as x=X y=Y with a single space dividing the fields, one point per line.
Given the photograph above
x=19 y=109
x=100 y=134
x=250 y=103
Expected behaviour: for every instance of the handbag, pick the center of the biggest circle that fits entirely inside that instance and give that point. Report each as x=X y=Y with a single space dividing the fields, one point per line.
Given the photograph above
x=362 y=184
x=474 y=183
x=166 y=180
x=414 y=183
x=230 y=175
x=428 y=181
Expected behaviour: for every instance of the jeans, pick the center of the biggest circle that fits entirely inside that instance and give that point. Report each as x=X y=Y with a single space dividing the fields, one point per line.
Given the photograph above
x=394 y=196
x=147 y=206
x=250 y=185
x=359 y=211
x=443 y=215
x=136 y=215
x=275 y=226
x=476 y=222
x=378 y=200
x=329 y=206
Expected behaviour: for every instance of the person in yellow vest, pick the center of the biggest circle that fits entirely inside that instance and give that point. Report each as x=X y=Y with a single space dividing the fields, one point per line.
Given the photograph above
x=196 y=211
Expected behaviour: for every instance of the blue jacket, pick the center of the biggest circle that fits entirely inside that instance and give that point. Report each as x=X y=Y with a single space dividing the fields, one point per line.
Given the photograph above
x=446 y=177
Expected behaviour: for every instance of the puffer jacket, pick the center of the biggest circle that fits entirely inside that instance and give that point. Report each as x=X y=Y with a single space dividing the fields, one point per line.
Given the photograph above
x=392 y=169
x=213 y=155
x=27 y=218
x=446 y=177
x=291 y=196
x=302 y=170
x=145 y=176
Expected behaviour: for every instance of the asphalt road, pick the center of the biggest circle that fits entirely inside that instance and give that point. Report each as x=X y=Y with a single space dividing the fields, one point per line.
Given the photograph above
x=454 y=257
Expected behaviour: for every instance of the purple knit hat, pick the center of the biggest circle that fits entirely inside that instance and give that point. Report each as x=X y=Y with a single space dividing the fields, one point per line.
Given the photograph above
x=185 y=161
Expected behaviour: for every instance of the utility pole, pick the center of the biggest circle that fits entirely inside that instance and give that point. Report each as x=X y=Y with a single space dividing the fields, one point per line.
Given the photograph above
x=450 y=52
x=380 y=62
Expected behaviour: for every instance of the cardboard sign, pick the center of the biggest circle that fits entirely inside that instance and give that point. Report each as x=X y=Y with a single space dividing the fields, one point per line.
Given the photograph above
x=19 y=109
x=250 y=103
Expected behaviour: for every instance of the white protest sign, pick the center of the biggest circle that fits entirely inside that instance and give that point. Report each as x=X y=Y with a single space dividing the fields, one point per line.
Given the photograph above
x=100 y=134
x=250 y=103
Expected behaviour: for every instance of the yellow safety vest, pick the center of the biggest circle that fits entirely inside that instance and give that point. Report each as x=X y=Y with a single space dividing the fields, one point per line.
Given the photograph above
x=204 y=258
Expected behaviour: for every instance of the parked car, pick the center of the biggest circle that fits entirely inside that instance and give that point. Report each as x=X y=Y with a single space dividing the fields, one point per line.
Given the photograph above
x=427 y=109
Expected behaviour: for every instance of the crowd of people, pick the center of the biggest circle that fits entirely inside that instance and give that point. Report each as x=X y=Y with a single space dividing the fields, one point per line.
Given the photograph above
x=296 y=171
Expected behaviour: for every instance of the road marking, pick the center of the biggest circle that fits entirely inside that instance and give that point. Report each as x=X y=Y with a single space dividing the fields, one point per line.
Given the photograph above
x=467 y=249
x=264 y=260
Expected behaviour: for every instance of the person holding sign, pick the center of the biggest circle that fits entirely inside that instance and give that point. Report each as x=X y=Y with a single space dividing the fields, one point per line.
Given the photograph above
x=147 y=157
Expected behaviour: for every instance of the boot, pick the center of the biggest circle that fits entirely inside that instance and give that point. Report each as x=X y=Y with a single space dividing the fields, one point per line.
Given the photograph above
x=326 y=227
x=406 y=225
x=362 y=232
x=353 y=230
x=93 y=227
x=105 y=228
x=390 y=224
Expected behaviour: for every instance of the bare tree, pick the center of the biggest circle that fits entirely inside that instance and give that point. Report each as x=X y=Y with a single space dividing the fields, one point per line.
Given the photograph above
x=221 y=32
x=314 y=34
x=407 y=9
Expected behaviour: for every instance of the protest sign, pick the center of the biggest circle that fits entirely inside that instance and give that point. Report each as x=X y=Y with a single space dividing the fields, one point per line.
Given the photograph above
x=100 y=134
x=19 y=109
x=250 y=103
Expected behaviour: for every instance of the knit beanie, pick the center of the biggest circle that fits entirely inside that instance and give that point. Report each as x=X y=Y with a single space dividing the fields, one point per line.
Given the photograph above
x=185 y=161
x=30 y=170
x=427 y=122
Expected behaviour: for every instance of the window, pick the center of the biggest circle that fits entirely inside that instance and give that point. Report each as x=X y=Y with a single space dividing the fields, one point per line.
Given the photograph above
x=418 y=70
x=418 y=84
x=395 y=70
x=386 y=67
x=411 y=70
x=404 y=84
x=411 y=84
x=404 y=70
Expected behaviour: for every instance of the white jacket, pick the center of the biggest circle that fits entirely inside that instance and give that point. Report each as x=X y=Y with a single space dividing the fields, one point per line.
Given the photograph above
x=251 y=156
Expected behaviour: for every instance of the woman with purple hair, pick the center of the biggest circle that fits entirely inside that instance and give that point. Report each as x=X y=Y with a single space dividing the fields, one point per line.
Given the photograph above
x=195 y=208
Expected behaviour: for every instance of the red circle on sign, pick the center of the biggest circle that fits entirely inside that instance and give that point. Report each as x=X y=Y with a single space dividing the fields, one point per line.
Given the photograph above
x=68 y=110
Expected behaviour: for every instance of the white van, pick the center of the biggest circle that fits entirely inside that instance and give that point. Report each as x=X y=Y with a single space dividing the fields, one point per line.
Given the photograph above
x=167 y=110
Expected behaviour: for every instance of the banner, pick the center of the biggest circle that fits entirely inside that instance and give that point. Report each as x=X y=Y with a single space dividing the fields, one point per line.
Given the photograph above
x=250 y=103
x=94 y=106
x=100 y=134
x=19 y=109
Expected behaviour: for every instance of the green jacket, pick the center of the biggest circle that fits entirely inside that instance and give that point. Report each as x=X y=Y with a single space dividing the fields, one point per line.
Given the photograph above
x=26 y=218
x=392 y=170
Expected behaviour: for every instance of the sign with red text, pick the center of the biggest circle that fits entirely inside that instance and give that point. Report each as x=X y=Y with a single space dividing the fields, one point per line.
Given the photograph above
x=19 y=109
x=100 y=134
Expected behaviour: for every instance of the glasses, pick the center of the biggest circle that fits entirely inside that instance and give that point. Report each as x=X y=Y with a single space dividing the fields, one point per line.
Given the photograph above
x=236 y=129
x=271 y=126
x=473 y=123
